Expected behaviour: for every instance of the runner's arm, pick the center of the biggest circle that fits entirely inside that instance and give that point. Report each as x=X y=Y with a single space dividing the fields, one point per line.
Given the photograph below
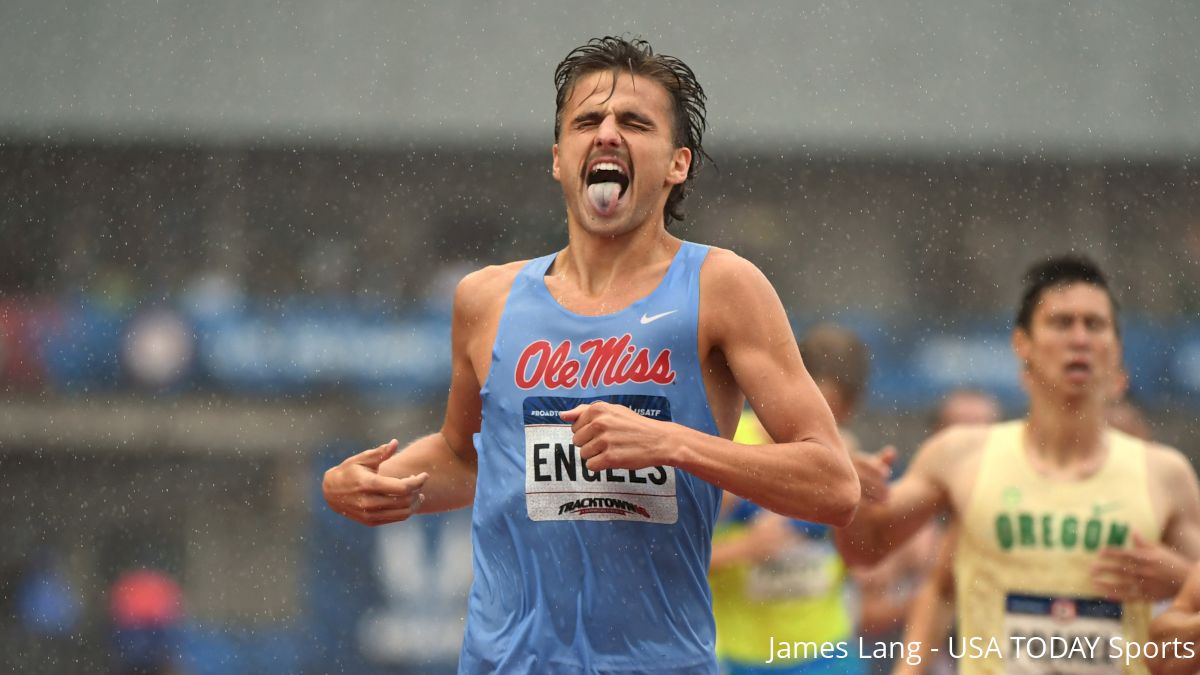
x=449 y=455
x=766 y=536
x=806 y=474
x=436 y=472
x=920 y=493
x=1182 y=530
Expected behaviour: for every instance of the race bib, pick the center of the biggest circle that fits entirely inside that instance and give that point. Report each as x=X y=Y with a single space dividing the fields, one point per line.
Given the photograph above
x=802 y=570
x=1048 y=635
x=559 y=486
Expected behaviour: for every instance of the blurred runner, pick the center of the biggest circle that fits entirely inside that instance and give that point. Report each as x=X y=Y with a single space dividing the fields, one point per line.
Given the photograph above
x=776 y=579
x=1066 y=526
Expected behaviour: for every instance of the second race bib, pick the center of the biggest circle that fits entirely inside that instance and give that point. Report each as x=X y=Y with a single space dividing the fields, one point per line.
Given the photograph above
x=1078 y=628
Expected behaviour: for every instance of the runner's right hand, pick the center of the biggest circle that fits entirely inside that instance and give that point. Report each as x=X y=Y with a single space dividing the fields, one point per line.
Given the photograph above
x=356 y=490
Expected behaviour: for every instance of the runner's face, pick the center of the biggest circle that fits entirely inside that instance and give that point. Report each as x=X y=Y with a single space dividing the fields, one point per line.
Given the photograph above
x=1072 y=344
x=615 y=157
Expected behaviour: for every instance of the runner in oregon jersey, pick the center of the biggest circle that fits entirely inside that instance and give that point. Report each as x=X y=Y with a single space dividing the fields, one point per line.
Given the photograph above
x=1066 y=527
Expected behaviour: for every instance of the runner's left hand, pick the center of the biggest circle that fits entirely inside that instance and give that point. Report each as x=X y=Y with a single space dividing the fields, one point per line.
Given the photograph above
x=611 y=436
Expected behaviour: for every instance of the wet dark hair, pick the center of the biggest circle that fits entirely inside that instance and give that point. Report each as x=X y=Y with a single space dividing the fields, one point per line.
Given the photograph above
x=616 y=54
x=1057 y=272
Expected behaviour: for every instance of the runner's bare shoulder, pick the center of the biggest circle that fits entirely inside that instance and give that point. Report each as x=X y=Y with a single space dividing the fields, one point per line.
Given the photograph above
x=954 y=448
x=727 y=268
x=731 y=285
x=1169 y=469
x=483 y=291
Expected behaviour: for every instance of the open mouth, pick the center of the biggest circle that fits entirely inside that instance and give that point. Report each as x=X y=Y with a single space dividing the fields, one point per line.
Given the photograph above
x=1078 y=369
x=607 y=183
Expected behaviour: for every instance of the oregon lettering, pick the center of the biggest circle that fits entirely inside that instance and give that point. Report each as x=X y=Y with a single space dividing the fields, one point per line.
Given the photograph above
x=1058 y=531
x=609 y=361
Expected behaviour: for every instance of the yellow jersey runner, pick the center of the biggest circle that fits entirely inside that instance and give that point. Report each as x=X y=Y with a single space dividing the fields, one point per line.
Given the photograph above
x=1023 y=561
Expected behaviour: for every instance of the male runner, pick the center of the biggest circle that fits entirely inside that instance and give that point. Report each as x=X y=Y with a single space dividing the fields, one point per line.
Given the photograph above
x=1060 y=517
x=931 y=616
x=592 y=395
x=777 y=580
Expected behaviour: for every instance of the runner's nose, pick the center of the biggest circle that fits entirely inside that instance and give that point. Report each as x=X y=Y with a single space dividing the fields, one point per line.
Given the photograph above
x=608 y=134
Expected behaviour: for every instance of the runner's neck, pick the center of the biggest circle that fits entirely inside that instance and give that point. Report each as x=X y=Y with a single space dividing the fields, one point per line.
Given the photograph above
x=1068 y=445
x=599 y=266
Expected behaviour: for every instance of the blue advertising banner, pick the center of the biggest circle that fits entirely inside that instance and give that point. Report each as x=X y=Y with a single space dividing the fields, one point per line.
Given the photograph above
x=396 y=357
x=304 y=346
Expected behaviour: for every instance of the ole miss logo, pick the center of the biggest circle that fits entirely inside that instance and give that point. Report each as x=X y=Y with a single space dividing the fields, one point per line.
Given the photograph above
x=609 y=361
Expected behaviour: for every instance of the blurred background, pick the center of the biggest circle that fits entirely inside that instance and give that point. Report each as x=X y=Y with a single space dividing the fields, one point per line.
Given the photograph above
x=229 y=232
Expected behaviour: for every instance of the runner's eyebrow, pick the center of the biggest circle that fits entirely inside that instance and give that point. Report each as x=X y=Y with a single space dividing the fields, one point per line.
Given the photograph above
x=623 y=117
x=633 y=116
x=593 y=116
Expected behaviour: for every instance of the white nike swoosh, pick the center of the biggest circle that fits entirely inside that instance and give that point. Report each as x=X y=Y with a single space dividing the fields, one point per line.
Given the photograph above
x=656 y=317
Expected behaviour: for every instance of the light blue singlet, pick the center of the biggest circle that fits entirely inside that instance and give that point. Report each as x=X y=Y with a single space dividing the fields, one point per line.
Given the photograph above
x=579 y=571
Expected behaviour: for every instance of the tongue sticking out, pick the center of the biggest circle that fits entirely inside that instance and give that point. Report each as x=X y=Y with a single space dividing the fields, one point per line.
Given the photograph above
x=604 y=197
